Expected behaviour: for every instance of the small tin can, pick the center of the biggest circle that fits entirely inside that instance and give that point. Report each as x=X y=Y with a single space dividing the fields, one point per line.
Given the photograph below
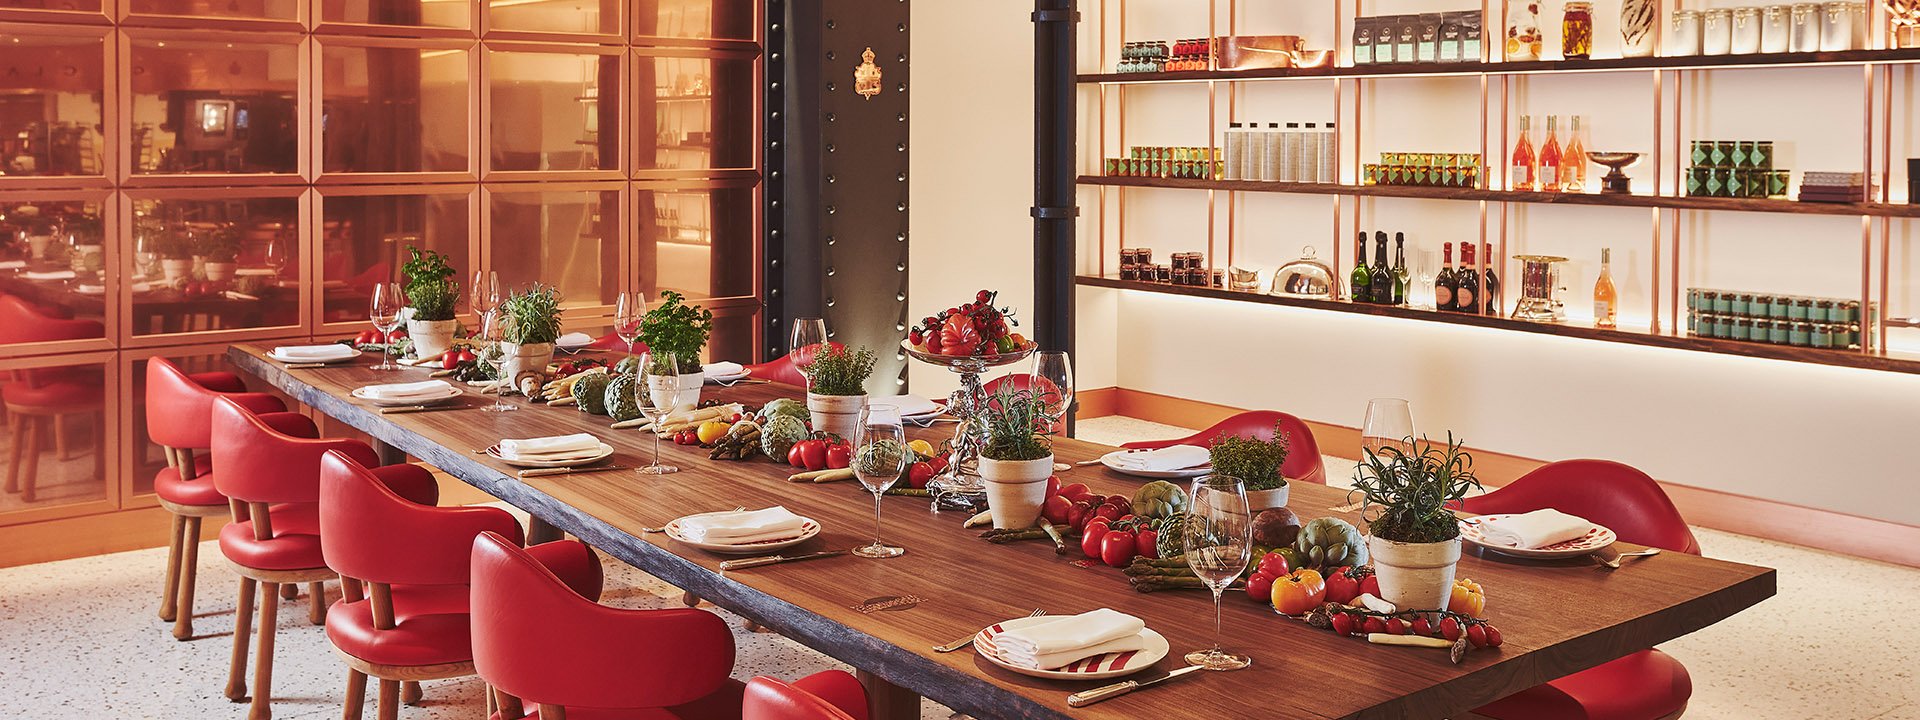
x=1742 y=154
x=1800 y=335
x=1779 y=331
x=1762 y=306
x=1850 y=311
x=1693 y=298
x=1702 y=155
x=1722 y=326
x=1162 y=273
x=1761 y=157
x=1129 y=272
x=1741 y=304
x=1742 y=329
x=1219 y=278
x=1802 y=309
x=1822 y=335
x=1707 y=298
x=1707 y=323
x=1782 y=306
x=1824 y=311
x=1723 y=303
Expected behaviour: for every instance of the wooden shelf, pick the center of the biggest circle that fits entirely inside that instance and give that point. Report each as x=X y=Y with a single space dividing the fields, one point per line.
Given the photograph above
x=1840 y=358
x=1436 y=193
x=1382 y=70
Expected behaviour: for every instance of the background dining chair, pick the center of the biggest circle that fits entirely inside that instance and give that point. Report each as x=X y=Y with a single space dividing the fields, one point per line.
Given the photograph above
x=1647 y=684
x=1303 y=458
x=539 y=641
x=830 y=695
x=39 y=400
x=180 y=421
x=782 y=370
x=403 y=567
x=1019 y=381
x=270 y=473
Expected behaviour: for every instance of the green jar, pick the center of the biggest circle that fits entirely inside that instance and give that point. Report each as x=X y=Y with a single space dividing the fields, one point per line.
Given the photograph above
x=1800 y=309
x=1741 y=305
x=1693 y=323
x=1693 y=298
x=1723 y=303
x=1800 y=335
x=1850 y=311
x=1742 y=329
x=1707 y=323
x=1778 y=331
x=1853 y=336
x=1762 y=306
x=1822 y=335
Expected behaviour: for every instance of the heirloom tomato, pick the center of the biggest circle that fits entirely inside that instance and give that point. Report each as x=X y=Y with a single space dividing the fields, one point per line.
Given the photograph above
x=1299 y=592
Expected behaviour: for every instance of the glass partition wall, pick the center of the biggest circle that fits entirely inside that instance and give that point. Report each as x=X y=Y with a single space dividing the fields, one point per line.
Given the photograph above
x=179 y=175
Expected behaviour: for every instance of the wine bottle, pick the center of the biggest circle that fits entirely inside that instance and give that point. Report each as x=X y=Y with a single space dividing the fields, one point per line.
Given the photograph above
x=1491 y=288
x=1466 y=282
x=1361 y=280
x=1381 y=273
x=1604 y=298
x=1400 y=275
x=1550 y=158
x=1521 y=177
x=1443 y=284
x=1573 y=161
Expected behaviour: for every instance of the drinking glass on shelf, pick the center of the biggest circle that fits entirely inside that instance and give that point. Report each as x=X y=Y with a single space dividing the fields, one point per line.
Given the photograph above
x=495 y=351
x=656 y=393
x=483 y=294
x=807 y=335
x=627 y=316
x=1423 y=269
x=1218 y=541
x=879 y=456
x=1052 y=383
x=277 y=256
x=1389 y=423
x=384 y=311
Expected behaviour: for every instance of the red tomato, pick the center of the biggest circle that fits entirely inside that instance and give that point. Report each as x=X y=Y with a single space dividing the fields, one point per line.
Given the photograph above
x=839 y=455
x=1107 y=511
x=1056 y=510
x=814 y=454
x=1343 y=624
x=1074 y=491
x=1376 y=625
x=1053 y=485
x=1396 y=627
x=1148 y=541
x=939 y=463
x=1450 y=628
x=1117 y=548
x=1077 y=514
x=450 y=360
x=1370 y=585
x=1122 y=502
x=365 y=337
x=919 y=473
x=1493 y=637
x=1275 y=564
x=796 y=455
x=1260 y=588
x=1477 y=634
x=1090 y=539
x=1298 y=592
x=1421 y=626
x=1341 y=587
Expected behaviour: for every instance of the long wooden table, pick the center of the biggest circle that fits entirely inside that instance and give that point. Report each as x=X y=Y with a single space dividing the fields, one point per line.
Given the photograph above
x=1557 y=617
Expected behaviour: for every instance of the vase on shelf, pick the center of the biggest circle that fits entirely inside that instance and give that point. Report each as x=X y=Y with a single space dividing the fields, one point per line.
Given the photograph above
x=1523 y=30
x=1905 y=16
x=1637 y=20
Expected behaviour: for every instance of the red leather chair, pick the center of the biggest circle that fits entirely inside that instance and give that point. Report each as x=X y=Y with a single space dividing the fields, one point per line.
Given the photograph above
x=538 y=641
x=41 y=399
x=1303 y=458
x=612 y=341
x=180 y=421
x=403 y=568
x=782 y=369
x=1019 y=381
x=830 y=695
x=270 y=473
x=1645 y=685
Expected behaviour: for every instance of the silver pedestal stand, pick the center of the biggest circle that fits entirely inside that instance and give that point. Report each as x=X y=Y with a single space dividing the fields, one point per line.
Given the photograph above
x=961 y=480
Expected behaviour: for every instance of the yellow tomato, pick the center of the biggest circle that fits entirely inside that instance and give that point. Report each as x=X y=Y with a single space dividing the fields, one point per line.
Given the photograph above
x=1299 y=592
x=1467 y=598
x=924 y=448
x=713 y=430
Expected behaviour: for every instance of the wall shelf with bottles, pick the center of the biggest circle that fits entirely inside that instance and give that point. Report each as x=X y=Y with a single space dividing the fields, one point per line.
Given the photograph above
x=1516 y=67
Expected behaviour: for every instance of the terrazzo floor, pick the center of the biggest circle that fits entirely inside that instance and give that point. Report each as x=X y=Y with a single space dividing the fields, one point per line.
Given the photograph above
x=82 y=638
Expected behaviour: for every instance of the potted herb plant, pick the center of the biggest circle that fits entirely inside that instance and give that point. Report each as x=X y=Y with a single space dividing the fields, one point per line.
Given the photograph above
x=676 y=327
x=1257 y=463
x=837 y=389
x=1412 y=536
x=1017 y=457
x=39 y=230
x=432 y=293
x=532 y=322
x=89 y=255
x=217 y=249
x=175 y=248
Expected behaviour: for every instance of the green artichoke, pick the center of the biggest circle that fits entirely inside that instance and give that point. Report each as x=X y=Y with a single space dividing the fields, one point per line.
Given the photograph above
x=1331 y=542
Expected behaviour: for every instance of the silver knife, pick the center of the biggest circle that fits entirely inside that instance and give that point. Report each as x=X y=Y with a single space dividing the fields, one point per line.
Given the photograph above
x=1108 y=692
x=566 y=470
x=774 y=559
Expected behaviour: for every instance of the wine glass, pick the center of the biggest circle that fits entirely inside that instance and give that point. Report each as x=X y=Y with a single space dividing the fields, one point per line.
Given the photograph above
x=495 y=351
x=807 y=335
x=1052 y=383
x=656 y=394
x=384 y=311
x=276 y=256
x=627 y=316
x=879 y=456
x=483 y=295
x=1421 y=295
x=1218 y=540
x=1389 y=423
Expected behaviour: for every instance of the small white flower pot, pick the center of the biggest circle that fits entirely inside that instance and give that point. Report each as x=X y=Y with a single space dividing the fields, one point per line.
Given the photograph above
x=430 y=337
x=531 y=357
x=1414 y=576
x=690 y=386
x=175 y=270
x=217 y=271
x=1015 y=490
x=836 y=414
x=1258 y=500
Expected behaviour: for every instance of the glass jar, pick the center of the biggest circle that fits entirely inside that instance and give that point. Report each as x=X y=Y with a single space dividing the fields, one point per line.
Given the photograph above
x=1523 y=30
x=1800 y=335
x=1716 y=32
x=1576 y=30
x=1746 y=30
x=1822 y=335
x=1776 y=35
x=1822 y=311
x=1683 y=37
x=1836 y=26
x=1742 y=329
x=1802 y=309
x=1742 y=304
x=1722 y=303
x=1804 y=25
x=1858 y=11
x=1637 y=21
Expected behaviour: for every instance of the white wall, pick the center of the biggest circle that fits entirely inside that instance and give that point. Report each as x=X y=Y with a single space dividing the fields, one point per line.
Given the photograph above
x=1804 y=434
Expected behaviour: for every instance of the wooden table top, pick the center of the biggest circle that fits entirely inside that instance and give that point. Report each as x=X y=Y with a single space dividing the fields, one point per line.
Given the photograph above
x=1557 y=617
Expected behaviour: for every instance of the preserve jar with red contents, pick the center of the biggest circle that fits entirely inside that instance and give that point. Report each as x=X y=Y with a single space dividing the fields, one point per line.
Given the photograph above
x=1576 y=31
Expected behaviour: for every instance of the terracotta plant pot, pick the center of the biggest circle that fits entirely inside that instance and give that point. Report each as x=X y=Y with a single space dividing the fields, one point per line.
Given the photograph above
x=217 y=271
x=1015 y=490
x=531 y=357
x=837 y=414
x=1259 y=500
x=430 y=337
x=176 y=269
x=1414 y=576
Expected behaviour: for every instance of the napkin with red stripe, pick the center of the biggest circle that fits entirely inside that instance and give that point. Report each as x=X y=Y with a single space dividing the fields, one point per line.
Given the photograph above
x=1063 y=641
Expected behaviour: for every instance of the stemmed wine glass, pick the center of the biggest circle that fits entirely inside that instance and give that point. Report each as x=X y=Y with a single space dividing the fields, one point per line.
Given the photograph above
x=1052 y=383
x=879 y=456
x=384 y=311
x=627 y=316
x=483 y=295
x=494 y=351
x=807 y=336
x=1218 y=541
x=1389 y=423
x=656 y=394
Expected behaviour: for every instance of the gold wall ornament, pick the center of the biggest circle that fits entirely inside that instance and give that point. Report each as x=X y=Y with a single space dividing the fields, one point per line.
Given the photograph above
x=1905 y=17
x=866 y=76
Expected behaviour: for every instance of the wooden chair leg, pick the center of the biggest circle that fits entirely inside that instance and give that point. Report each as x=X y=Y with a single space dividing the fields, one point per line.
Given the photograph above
x=189 y=570
x=16 y=439
x=356 y=694
x=59 y=436
x=486 y=693
x=389 y=705
x=689 y=599
x=410 y=693
x=29 y=473
x=549 y=711
x=242 y=624
x=174 y=541
x=262 y=708
x=289 y=591
x=317 y=603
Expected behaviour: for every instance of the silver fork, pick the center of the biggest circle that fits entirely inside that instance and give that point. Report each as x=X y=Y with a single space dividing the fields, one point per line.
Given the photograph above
x=957 y=644
x=1614 y=562
x=663 y=528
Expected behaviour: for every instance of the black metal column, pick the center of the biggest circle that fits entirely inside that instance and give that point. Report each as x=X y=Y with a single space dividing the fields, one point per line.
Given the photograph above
x=1054 y=206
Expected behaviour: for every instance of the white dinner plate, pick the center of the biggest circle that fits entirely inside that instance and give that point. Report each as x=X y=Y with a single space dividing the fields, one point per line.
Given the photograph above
x=1108 y=460
x=1110 y=665
x=601 y=454
x=744 y=373
x=1596 y=539
x=275 y=355
x=808 y=529
x=451 y=393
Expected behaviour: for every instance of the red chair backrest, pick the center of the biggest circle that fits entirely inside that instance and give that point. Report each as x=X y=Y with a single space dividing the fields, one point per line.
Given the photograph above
x=1609 y=493
x=771 y=699
x=612 y=341
x=538 y=640
x=180 y=407
x=370 y=532
x=1303 y=454
x=1020 y=381
x=782 y=370
x=273 y=457
x=22 y=322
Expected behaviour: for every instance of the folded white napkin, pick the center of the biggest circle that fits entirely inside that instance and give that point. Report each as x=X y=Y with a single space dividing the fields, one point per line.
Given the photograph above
x=1172 y=457
x=740 y=528
x=1536 y=529
x=574 y=340
x=13 y=264
x=1060 y=642
x=910 y=405
x=723 y=369
x=313 y=353
x=549 y=447
x=53 y=275
x=403 y=391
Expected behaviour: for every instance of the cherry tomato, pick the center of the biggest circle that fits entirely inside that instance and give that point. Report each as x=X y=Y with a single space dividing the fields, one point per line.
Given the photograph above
x=1493 y=637
x=1343 y=624
x=1260 y=588
x=1077 y=514
x=814 y=454
x=450 y=360
x=1477 y=634
x=1275 y=564
x=1074 y=491
x=839 y=455
x=1107 y=511
x=939 y=463
x=919 y=473
x=1370 y=585
x=1376 y=625
x=1056 y=510
x=366 y=337
x=1450 y=628
x=796 y=455
x=1148 y=541
x=1053 y=485
x=1396 y=627
x=1090 y=539
x=1422 y=627
x=1117 y=548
